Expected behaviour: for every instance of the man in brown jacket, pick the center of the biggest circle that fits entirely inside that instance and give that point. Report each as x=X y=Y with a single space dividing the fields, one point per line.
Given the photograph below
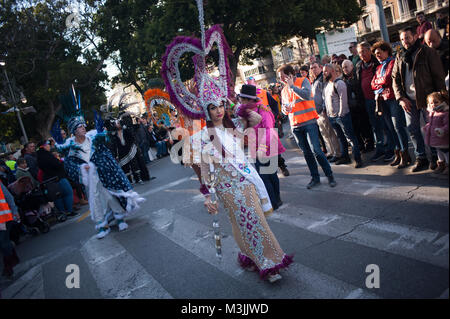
x=417 y=72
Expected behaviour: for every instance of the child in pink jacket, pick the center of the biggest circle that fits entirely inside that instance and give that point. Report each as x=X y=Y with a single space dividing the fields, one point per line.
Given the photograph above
x=436 y=130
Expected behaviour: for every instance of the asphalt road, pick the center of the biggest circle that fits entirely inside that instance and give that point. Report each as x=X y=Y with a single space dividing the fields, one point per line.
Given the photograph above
x=377 y=215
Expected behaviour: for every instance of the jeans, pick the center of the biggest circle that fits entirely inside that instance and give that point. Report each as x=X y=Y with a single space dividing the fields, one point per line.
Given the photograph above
x=307 y=137
x=65 y=203
x=6 y=248
x=271 y=182
x=413 y=125
x=161 y=148
x=396 y=123
x=378 y=125
x=344 y=130
x=144 y=149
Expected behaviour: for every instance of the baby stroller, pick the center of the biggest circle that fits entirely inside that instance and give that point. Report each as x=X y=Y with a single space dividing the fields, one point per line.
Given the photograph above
x=34 y=206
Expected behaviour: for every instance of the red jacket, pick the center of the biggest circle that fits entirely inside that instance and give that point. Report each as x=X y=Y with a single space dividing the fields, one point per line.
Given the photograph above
x=384 y=81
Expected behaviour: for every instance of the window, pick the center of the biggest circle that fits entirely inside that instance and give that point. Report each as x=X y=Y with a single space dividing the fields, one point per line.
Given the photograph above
x=367 y=23
x=388 y=15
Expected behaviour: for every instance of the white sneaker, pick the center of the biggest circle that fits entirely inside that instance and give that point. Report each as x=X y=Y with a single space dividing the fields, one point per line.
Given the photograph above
x=273 y=278
x=123 y=226
x=103 y=232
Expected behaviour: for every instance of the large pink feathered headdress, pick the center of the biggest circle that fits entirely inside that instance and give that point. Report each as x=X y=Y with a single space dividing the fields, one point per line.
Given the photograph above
x=210 y=90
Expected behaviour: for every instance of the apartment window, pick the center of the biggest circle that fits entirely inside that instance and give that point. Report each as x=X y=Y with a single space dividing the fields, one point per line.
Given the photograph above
x=388 y=15
x=288 y=54
x=367 y=23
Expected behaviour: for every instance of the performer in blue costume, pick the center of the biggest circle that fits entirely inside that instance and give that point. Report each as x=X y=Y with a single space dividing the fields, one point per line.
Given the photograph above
x=89 y=161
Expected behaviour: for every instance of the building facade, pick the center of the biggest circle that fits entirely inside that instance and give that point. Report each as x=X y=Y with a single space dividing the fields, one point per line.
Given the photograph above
x=398 y=14
x=296 y=51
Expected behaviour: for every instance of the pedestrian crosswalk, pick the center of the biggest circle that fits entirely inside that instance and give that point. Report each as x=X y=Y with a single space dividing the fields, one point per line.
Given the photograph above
x=168 y=252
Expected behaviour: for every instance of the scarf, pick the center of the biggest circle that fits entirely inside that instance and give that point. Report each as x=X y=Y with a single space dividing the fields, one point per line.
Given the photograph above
x=384 y=65
x=408 y=54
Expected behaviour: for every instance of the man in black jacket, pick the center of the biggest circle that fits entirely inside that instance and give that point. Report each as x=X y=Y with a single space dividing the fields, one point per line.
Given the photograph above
x=142 y=138
x=356 y=103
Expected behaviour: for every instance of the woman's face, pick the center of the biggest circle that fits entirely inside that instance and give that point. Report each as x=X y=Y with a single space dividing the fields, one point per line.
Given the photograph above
x=303 y=73
x=381 y=55
x=216 y=112
x=47 y=147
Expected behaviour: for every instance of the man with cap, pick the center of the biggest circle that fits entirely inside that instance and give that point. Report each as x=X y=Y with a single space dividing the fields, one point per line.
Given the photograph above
x=267 y=100
x=265 y=141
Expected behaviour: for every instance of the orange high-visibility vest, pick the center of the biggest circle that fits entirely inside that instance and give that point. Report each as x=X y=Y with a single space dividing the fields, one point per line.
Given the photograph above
x=5 y=211
x=303 y=111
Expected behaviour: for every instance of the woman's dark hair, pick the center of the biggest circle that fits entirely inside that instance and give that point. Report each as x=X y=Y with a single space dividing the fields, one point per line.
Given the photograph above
x=382 y=45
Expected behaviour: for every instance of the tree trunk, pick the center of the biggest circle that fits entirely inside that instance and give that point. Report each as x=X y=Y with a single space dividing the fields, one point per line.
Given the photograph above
x=233 y=61
x=45 y=125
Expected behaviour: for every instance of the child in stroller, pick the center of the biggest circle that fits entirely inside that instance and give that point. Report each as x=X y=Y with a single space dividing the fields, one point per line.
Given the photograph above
x=35 y=205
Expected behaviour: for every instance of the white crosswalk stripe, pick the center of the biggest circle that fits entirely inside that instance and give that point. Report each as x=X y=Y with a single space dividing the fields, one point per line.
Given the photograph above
x=117 y=273
x=421 y=244
x=300 y=281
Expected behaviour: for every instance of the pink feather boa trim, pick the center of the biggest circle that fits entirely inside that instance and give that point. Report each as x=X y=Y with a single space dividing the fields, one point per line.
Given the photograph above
x=246 y=262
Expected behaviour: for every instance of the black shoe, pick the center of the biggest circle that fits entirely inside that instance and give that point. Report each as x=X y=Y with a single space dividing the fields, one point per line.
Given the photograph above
x=433 y=163
x=277 y=205
x=343 y=160
x=358 y=164
x=421 y=165
x=152 y=178
x=72 y=214
x=331 y=181
x=285 y=171
x=313 y=183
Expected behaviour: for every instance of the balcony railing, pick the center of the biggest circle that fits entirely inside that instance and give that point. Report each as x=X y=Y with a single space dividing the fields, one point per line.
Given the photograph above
x=426 y=9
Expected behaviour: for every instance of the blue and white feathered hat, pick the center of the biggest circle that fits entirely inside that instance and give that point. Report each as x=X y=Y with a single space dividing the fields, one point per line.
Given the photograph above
x=71 y=110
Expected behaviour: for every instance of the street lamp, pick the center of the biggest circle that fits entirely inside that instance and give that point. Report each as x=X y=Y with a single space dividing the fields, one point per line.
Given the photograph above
x=23 y=99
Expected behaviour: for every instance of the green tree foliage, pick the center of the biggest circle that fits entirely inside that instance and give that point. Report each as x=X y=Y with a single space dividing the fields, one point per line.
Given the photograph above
x=45 y=57
x=137 y=32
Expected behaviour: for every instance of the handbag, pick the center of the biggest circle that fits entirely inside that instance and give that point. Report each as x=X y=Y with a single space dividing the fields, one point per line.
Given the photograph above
x=51 y=189
x=378 y=104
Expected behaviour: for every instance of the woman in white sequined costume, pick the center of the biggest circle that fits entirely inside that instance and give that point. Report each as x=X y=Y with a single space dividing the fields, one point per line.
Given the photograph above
x=240 y=190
